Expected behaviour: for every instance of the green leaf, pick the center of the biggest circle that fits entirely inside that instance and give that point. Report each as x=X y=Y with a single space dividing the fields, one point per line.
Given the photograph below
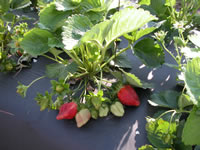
x=65 y=5
x=159 y=133
x=97 y=33
x=35 y=42
x=150 y=52
x=191 y=129
x=4 y=6
x=184 y=101
x=178 y=144
x=144 y=2
x=19 y=4
x=55 y=42
x=122 y=61
x=92 y=5
x=55 y=52
x=51 y=18
x=195 y=37
x=143 y=32
x=170 y=2
x=44 y=101
x=159 y=7
x=168 y=99
x=192 y=80
x=127 y=20
x=8 y=17
x=135 y=81
x=60 y=70
x=146 y=147
x=76 y=27
x=122 y=22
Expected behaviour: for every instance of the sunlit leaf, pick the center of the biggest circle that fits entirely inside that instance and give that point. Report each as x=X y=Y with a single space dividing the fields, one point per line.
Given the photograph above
x=65 y=5
x=123 y=22
x=76 y=26
x=192 y=80
x=190 y=52
x=195 y=37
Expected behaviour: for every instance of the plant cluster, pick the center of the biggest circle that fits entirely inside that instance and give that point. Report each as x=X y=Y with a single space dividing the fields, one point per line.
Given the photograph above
x=90 y=78
x=93 y=75
x=12 y=30
x=175 y=125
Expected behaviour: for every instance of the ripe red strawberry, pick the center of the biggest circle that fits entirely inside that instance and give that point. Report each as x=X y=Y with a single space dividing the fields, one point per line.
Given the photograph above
x=128 y=96
x=67 y=111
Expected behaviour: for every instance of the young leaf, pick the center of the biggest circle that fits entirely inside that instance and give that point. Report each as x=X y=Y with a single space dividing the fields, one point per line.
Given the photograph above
x=149 y=52
x=160 y=133
x=146 y=147
x=168 y=99
x=170 y=2
x=76 y=26
x=191 y=129
x=65 y=5
x=35 y=42
x=144 y=2
x=60 y=70
x=51 y=18
x=192 y=80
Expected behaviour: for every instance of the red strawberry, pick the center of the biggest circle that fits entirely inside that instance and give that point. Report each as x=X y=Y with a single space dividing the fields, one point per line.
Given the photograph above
x=67 y=111
x=128 y=96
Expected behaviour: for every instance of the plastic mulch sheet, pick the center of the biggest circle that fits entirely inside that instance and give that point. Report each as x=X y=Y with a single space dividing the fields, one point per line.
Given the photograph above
x=24 y=127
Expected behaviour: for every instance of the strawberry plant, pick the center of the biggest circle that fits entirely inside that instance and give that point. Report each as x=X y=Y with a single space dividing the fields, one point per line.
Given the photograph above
x=89 y=34
x=168 y=128
x=11 y=32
